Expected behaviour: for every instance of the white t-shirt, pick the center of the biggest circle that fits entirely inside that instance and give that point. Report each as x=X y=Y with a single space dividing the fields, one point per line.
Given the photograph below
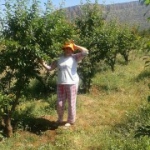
x=67 y=69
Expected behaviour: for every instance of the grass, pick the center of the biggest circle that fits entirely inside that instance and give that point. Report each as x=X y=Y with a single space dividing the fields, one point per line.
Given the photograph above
x=108 y=118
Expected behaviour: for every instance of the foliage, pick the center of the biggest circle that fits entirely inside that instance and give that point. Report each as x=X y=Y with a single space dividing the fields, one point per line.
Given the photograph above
x=26 y=40
x=147 y=46
x=108 y=43
x=88 y=24
x=127 y=39
x=146 y=2
x=104 y=41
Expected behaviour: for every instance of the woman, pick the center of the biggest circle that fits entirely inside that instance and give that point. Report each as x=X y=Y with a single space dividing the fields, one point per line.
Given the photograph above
x=67 y=80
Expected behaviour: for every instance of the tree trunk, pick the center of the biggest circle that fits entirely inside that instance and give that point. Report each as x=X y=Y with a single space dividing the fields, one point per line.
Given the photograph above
x=6 y=122
x=6 y=119
x=126 y=57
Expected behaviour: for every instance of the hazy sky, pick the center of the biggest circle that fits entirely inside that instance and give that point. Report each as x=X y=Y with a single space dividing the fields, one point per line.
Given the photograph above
x=77 y=2
x=67 y=3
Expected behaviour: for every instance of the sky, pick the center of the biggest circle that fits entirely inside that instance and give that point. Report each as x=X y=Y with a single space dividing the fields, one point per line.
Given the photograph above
x=68 y=3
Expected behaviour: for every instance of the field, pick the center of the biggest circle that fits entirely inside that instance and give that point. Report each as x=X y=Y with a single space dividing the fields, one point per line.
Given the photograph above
x=113 y=116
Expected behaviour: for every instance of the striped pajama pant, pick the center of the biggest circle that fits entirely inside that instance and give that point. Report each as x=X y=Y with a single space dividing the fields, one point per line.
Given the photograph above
x=67 y=92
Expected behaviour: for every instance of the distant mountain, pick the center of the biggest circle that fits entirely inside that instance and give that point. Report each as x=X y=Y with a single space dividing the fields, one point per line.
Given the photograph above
x=131 y=13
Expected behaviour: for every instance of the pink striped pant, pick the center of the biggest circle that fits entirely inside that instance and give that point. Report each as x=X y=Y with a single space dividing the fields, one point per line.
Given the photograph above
x=66 y=92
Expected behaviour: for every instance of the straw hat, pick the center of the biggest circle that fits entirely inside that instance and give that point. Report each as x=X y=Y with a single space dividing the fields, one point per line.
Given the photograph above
x=69 y=45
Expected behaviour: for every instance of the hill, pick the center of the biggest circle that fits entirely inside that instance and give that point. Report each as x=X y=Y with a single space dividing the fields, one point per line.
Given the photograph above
x=132 y=13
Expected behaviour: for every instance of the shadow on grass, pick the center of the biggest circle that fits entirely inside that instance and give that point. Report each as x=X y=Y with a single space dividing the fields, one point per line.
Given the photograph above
x=37 y=125
x=107 y=88
x=143 y=75
x=33 y=125
x=142 y=131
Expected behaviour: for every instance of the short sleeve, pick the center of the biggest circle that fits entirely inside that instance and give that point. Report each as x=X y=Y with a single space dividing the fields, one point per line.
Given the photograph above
x=79 y=56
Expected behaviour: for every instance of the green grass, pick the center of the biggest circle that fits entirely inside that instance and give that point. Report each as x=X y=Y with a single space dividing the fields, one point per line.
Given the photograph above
x=108 y=118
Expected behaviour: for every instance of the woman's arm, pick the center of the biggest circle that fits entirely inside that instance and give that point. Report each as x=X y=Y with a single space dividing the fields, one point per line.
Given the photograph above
x=81 y=48
x=83 y=52
x=48 y=67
